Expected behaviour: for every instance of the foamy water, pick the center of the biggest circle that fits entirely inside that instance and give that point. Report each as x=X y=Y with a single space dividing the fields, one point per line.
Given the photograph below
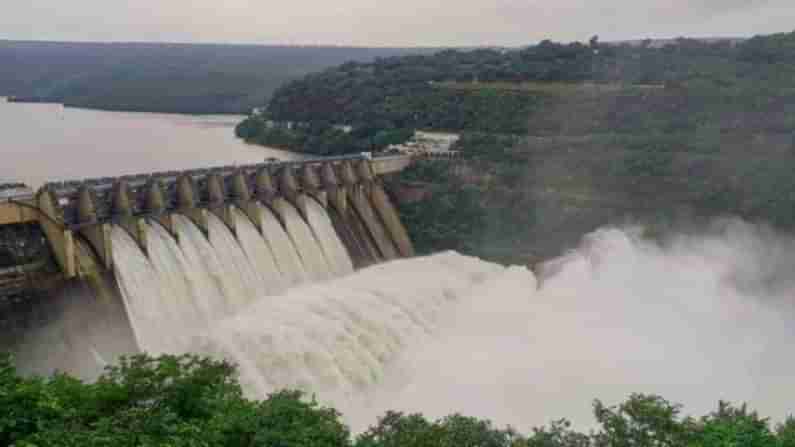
x=696 y=318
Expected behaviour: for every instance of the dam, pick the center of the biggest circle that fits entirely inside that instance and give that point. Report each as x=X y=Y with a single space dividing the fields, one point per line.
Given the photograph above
x=94 y=269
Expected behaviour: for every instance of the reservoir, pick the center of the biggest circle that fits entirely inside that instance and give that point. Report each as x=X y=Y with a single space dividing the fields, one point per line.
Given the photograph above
x=48 y=142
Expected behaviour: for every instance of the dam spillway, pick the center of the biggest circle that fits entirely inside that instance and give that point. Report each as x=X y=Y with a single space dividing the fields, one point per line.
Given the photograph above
x=144 y=263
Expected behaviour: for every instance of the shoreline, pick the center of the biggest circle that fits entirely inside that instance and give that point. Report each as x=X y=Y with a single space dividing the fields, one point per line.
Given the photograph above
x=29 y=100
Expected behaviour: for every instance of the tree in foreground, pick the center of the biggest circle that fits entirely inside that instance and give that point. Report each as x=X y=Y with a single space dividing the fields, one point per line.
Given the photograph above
x=189 y=401
x=167 y=401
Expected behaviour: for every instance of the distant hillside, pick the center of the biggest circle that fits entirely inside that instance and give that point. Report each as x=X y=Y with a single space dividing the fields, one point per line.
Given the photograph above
x=164 y=77
x=560 y=139
x=660 y=43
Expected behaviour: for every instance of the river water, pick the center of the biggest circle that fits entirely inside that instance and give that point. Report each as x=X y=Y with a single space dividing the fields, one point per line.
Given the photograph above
x=48 y=142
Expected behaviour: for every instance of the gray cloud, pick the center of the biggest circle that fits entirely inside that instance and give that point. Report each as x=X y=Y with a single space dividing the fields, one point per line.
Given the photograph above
x=408 y=22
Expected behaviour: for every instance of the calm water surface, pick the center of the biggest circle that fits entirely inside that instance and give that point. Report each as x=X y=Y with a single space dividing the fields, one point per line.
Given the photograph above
x=47 y=142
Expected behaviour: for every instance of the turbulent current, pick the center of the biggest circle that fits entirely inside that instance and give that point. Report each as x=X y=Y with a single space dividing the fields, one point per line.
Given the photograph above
x=696 y=318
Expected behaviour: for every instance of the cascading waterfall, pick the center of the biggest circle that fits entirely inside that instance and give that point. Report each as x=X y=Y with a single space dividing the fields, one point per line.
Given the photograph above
x=237 y=268
x=308 y=248
x=259 y=253
x=696 y=319
x=284 y=252
x=181 y=289
x=337 y=338
x=154 y=313
x=335 y=252
x=204 y=269
x=170 y=264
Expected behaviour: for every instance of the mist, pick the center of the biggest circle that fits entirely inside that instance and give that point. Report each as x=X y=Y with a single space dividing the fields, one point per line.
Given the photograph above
x=696 y=318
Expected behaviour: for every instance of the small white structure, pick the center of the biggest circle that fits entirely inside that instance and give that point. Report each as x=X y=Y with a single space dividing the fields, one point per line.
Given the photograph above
x=426 y=143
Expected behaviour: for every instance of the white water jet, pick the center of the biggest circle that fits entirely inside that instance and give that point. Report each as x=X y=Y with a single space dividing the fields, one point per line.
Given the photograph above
x=339 y=337
x=205 y=267
x=304 y=241
x=696 y=319
x=237 y=270
x=285 y=254
x=154 y=314
x=259 y=254
x=335 y=252
x=172 y=268
x=620 y=315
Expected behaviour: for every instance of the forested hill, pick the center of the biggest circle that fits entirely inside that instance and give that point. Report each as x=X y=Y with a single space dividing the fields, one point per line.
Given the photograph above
x=410 y=91
x=156 y=77
x=560 y=139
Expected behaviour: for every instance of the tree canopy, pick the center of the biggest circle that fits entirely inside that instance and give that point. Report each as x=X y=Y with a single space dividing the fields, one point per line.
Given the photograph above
x=196 y=402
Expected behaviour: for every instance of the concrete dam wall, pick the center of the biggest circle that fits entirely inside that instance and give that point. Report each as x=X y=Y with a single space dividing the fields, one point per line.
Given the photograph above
x=108 y=264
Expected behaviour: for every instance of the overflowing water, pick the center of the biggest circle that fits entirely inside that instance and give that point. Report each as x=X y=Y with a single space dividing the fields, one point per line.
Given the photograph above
x=169 y=262
x=697 y=318
x=339 y=337
x=260 y=255
x=334 y=251
x=153 y=312
x=243 y=283
x=304 y=241
x=182 y=288
x=284 y=252
x=204 y=270
x=694 y=318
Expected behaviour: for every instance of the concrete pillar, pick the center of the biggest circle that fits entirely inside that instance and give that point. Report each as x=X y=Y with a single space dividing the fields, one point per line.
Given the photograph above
x=389 y=215
x=97 y=234
x=359 y=198
x=384 y=209
x=187 y=201
x=335 y=195
x=156 y=205
x=311 y=184
x=218 y=205
x=124 y=206
x=60 y=239
x=290 y=189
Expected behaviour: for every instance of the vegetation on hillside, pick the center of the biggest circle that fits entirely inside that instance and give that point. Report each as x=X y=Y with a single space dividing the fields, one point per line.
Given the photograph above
x=180 y=78
x=478 y=207
x=587 y=134
x=190 y=401
x=320 y=138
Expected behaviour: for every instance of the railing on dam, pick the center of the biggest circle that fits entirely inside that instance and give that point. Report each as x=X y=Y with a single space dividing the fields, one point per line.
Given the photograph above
x=87 y=208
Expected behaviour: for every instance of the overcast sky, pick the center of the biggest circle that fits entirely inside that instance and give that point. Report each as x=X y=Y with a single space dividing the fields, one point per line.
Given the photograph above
x=392 y=23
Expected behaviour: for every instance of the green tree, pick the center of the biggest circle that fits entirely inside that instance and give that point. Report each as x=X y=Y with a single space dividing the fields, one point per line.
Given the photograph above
x=398 y=430
x=733 y=426
x=166 y=401
x=557 y=434
x=641 y=421
x=785 y=433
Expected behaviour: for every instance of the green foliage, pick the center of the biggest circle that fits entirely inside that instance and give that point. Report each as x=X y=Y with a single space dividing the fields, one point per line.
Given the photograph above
x=487 y=219
x=320 y=138
x=733 y=426
x=450 y=219
x=650 y=162
x=558 y=434
x=488 y=147
x=648 y=421
x=785 y=433
x=399 y=430
x=175 y=401
x=189 y=401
